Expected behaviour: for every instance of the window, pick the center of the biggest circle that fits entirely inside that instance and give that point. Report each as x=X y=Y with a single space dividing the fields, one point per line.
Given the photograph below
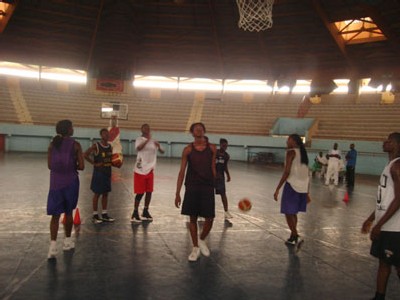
x=357 y=31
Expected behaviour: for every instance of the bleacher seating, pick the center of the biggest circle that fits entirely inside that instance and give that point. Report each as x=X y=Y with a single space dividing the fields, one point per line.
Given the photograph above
x=365 y=120
x=238 y=117
x=339 y=116
x=47 y=106
x=7 y=109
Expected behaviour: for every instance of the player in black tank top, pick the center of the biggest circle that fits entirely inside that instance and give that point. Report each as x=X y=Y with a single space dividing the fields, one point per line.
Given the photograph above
x=199 y=171
x=199 y=159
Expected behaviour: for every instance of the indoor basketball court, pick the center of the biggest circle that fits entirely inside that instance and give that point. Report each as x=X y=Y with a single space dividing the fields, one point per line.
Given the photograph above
x=112 y=49
x=249 y=258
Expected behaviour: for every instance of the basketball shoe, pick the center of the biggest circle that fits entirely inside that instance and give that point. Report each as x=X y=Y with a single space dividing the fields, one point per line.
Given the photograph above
x=195 y=254
x=68 y=244
x=96 y=219
x=146 y=215
x=52 y=250
x=135 y=217
x=203 y=248
x=228 y=215
x=107 y=218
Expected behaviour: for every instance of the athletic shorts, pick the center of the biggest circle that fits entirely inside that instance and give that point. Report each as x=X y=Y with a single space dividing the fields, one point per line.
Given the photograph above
x=63 y=200
x=101 y=182
x=199 y=201
x=387 y=248
x=292 y=202
x=220 y=186
x=143 y=183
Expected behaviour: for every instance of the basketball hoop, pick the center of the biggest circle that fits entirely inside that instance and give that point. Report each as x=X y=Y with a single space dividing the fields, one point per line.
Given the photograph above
x=255 y=15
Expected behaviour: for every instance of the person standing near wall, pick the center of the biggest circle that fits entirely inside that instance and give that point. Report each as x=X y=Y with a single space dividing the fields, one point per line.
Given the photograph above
x=385 y=233
x=351 y=159
x=319 y=166
x=295 y=192
x=143 y=177
x=64 y=159
x=99 y=155
x=199 y=200
x=222 y=159
x=333 y=165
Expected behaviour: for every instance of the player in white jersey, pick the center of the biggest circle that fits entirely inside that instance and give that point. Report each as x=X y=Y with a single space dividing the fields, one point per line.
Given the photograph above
x=385 y=234
x=333 y=165
x=143 y=177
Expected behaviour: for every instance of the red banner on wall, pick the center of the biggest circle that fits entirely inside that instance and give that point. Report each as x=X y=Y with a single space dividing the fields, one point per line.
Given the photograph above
x=110 y=85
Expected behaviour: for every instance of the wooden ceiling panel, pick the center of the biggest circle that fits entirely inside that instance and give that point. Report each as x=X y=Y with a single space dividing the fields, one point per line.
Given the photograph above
x=159 y=37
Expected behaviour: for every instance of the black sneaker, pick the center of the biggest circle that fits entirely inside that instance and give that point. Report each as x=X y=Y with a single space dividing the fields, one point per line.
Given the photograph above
x=146 y=215
x=96 y=219
x=135 y=217
x=107 y=218
x=379 y=296
x=292 y=240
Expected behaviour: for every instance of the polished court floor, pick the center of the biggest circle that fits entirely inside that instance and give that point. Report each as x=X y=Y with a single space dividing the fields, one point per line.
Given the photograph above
x=249 y=259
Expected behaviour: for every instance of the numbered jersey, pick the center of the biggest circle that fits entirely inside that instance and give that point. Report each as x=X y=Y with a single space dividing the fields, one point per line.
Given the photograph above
x=384 y=197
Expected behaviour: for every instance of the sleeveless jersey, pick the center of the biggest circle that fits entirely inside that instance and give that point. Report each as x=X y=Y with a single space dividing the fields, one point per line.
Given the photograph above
x=384 y=197
x=103 y=155
x=199 y=171
x=146 y=158
x=298 y=177
x=221 y=160
x=63 y=164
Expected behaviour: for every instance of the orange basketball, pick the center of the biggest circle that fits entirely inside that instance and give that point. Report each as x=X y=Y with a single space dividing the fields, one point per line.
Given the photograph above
x=116 y=160
x=244 y=204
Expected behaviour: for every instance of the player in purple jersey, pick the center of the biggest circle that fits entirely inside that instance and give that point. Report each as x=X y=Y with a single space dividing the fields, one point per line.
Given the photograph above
x=64 y=159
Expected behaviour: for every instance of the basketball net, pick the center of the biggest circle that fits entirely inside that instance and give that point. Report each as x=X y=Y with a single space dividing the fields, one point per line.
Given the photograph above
x=255 y=15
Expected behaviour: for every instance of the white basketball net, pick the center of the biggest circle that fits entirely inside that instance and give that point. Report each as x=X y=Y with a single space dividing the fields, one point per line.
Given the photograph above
x=255 y=15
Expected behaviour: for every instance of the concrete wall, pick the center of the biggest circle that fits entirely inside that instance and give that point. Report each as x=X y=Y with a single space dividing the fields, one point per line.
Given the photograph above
x=36 y=138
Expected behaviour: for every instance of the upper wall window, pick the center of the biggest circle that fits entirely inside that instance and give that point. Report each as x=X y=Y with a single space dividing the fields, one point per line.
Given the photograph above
x=357 y=31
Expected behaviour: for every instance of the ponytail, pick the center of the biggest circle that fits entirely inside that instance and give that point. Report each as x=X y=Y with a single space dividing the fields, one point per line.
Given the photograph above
x=303 y=153
x=57 y=141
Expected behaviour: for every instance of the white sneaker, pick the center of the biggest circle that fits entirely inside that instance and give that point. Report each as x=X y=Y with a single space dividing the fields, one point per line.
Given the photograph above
x=228 y=215
x=299 y=243
x=68 y=244
x=195 y=254
x=203 y=248
x=52 y=251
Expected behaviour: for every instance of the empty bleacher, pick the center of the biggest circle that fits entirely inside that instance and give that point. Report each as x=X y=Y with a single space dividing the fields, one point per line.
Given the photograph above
x=48 y=105
x=364 y=120
x=7 y=109
x=339 y=116
x=248 y=118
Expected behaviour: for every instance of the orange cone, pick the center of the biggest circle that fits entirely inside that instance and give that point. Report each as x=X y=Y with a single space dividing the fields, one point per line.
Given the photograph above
x=77 y=218
x=346 y=197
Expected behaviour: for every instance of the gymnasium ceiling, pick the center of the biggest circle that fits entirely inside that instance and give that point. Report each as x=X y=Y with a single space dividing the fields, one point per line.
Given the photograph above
x=200 y=38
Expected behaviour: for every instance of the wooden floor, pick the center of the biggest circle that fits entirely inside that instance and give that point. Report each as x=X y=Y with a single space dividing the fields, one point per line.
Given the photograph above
x=249 y=259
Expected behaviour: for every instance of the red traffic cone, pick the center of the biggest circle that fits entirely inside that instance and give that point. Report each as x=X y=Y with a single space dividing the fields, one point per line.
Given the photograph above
x=77 y=218
x=346 y=197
